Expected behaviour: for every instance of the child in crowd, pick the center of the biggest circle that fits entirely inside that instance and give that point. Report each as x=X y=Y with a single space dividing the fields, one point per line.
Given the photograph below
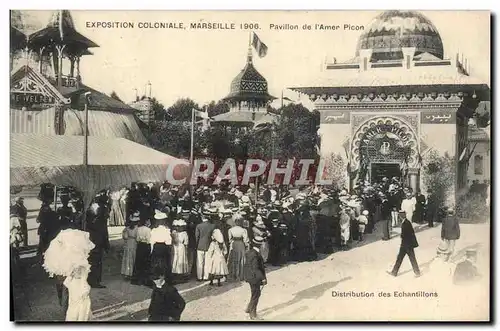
x=166 y=302
x=216 y=253
x=362 y=222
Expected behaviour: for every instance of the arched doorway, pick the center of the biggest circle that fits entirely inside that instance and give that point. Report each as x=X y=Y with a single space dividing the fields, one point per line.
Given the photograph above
x=385 y=147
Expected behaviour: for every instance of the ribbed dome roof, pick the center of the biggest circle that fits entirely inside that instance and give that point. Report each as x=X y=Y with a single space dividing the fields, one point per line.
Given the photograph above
x=394 y=29
x=249 y=84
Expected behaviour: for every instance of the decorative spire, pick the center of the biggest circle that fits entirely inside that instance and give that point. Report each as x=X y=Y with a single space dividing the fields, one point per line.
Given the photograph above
x=250 y=54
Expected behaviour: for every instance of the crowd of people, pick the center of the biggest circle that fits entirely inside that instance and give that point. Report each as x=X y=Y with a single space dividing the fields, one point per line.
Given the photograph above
x=174 y=234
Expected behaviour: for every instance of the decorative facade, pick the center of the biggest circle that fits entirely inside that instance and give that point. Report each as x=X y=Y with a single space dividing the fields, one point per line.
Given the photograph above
x=396 y=101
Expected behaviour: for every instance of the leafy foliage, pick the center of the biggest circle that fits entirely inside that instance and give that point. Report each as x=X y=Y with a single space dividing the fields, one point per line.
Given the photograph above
x=439 y=175
x=214 y=109
x=483 y=114
x=181 y=110
x=294 y=134
x=174 y=138
x=336 y=170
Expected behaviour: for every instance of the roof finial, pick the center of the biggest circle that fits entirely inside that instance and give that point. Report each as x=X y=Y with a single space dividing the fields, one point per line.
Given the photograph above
x=249 y=56
x=61 y=32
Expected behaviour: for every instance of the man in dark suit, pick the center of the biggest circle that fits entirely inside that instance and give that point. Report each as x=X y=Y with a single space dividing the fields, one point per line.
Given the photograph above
x=97 y=227
x=22 y=213
x=408 y=244
x=255 y=275
x=203 y=234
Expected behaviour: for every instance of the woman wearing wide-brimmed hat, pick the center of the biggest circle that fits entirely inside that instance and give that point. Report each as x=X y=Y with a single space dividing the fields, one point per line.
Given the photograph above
x=161 y=244
x=129 y=235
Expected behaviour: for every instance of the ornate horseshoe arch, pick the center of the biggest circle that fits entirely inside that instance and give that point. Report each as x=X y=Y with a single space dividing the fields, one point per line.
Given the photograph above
x=384 y=139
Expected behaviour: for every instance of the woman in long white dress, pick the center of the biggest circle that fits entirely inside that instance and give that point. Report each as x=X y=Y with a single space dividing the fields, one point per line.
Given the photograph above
x=180 y=265
x=344 y=227
x=79 y=305
x=116 y=218
x=216 y=254
x=129 y=250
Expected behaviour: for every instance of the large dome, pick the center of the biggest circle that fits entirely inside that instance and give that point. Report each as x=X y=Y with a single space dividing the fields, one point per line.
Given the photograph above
x=394 y=29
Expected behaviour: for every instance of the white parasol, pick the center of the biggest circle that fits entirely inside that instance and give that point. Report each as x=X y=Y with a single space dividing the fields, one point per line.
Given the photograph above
x=68 y=251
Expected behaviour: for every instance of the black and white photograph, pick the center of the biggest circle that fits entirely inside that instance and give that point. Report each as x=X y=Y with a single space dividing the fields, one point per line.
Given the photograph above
x=250 y=166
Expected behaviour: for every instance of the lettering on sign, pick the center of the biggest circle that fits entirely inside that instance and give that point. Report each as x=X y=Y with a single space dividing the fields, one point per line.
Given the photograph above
x=31 y=99
x=438 y=118
x=380 y=129
x=337 y=118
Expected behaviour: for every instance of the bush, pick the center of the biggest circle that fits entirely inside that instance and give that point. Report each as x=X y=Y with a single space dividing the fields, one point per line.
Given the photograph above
x=336 y=169
x=439 y=176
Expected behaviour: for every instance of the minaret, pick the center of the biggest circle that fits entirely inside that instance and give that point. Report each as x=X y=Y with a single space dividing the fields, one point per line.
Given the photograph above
x=249 y=89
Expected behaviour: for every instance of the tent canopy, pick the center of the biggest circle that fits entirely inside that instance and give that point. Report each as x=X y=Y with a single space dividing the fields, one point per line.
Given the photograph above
x=112 y=163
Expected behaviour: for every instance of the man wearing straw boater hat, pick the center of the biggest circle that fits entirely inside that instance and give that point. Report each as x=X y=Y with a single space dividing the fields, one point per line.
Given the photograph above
x=255 y=275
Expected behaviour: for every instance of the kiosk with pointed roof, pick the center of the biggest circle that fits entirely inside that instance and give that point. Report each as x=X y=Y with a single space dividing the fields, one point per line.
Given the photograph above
x=248 y=98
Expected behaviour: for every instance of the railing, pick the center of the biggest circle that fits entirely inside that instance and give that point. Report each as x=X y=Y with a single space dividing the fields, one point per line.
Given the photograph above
x=69 y=82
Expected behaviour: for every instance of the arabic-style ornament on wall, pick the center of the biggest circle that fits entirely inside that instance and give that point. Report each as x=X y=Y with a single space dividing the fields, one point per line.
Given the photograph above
x=438 y=117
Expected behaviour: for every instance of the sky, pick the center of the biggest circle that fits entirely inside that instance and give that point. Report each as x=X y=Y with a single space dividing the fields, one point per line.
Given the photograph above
x=200 y=64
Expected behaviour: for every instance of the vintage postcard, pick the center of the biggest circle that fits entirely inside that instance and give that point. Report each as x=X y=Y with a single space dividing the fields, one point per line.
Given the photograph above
x=250 y=166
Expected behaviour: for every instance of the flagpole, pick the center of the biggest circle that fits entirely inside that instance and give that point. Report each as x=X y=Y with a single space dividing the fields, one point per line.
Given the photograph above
x=281 y=98
x=191 y=157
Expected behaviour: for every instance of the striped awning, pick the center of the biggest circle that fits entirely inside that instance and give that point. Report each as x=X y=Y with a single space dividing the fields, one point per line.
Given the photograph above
x=101 y=123
x=112 y=163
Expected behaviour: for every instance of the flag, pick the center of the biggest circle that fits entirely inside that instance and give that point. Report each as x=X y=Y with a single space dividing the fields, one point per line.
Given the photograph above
x=202 y=114
x=419 y=161
x=259 y=46
x=463 y=154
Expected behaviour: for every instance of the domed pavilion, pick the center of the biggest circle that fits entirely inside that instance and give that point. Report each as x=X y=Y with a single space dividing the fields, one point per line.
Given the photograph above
x=248 y=99
x=395 y=101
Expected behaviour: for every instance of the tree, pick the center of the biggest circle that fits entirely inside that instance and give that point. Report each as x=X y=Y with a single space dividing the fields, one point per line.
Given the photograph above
x=439 y=175
x=181 y=110
x=214 y=109
x=115 y=96
x=174 y=138
x=296 y=132
x=336 y=170
x=159 y=110
x=483 y=114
